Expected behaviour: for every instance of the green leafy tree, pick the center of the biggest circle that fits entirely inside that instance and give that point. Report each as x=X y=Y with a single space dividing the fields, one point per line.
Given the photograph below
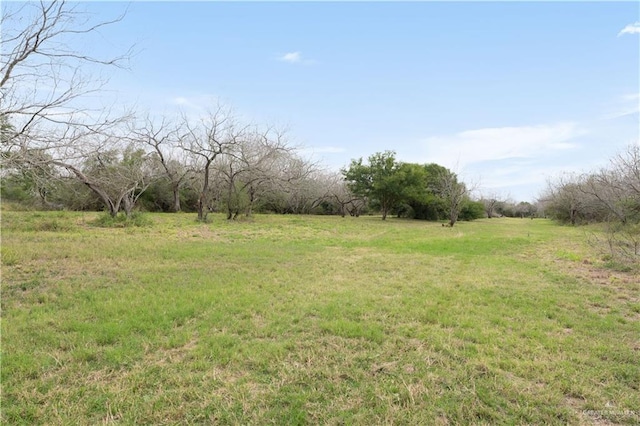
x=384 y=182
x=428 y=203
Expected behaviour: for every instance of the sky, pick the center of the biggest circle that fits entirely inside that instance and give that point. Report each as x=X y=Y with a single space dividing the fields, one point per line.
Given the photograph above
x=507 y=94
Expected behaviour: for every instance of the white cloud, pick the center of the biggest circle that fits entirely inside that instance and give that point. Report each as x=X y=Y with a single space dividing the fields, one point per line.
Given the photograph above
x=500 y=143
x=296 y=58
x=292 y=57
x=630 y=29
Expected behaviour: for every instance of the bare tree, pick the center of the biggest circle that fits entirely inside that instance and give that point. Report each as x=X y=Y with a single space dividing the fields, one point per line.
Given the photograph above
x=565 y=200
x=339 y=192
x=525 y=209
x=117 y=174
x=616 y=189
x=251 y=167
x=164 y=138
x=41 y=77
x=620 y=196
x=298 y=180
x=213 y=136
x=490 y=202
x=453 y=192
x=44 y=85
x=610 y=196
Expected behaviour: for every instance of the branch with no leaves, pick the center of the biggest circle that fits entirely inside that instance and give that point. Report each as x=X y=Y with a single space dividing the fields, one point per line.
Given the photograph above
x=41 y=76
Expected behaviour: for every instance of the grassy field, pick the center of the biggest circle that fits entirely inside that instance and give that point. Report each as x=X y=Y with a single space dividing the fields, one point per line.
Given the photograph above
x=313 y=320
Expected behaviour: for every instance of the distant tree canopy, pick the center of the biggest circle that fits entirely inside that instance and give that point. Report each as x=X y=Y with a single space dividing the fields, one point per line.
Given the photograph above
x=429 y=191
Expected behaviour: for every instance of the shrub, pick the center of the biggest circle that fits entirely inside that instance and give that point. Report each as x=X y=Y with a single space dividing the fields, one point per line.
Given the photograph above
x=472 y=210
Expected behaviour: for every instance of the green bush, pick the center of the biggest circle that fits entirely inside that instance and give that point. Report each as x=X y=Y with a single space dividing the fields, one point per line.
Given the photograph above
x=472 y=210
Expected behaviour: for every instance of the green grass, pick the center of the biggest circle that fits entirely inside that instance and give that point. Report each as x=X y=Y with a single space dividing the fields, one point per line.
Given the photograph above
x=313 y=320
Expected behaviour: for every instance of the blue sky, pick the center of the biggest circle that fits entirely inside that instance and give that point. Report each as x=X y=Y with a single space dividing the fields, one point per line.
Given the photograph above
x=508 y=94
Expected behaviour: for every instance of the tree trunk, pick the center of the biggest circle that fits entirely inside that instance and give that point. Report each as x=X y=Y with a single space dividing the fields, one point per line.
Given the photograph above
x=200 y=206
x=252 y=197
x=176 y=199
x=128 y=204
x=453 y=218
x=202 y=199
x=230 y=206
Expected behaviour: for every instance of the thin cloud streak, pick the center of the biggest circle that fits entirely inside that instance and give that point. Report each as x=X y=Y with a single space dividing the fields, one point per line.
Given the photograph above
x=627 y=105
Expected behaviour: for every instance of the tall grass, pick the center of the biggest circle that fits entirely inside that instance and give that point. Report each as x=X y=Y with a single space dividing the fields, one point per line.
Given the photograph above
x=313 y=320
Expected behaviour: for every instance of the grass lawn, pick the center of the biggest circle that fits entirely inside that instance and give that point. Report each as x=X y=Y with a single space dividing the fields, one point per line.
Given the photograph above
x=313 y=320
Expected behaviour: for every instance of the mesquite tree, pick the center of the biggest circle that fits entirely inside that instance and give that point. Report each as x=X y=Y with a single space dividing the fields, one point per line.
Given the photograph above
x=610 y=196
x=164 y=137
x=212 y=136
x=46 y=123
x=42 y=80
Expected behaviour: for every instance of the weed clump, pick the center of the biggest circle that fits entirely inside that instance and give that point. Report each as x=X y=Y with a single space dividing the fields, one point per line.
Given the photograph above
x=8 y=257
x=135 y=219
x=53 y=225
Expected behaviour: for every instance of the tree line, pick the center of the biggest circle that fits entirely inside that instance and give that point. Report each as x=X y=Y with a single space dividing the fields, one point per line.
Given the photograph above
x=59 y=153
x=211 y=164
x=610 y=197
x=217 y=164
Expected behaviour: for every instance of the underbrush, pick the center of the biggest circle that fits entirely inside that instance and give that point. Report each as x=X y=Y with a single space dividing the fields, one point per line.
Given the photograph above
x=135 y=219
x=618 y=245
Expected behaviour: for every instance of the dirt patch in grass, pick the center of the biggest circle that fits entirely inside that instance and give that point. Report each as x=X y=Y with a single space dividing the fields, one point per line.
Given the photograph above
x=600 y=275
x=200 y=233
x=585 y=416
